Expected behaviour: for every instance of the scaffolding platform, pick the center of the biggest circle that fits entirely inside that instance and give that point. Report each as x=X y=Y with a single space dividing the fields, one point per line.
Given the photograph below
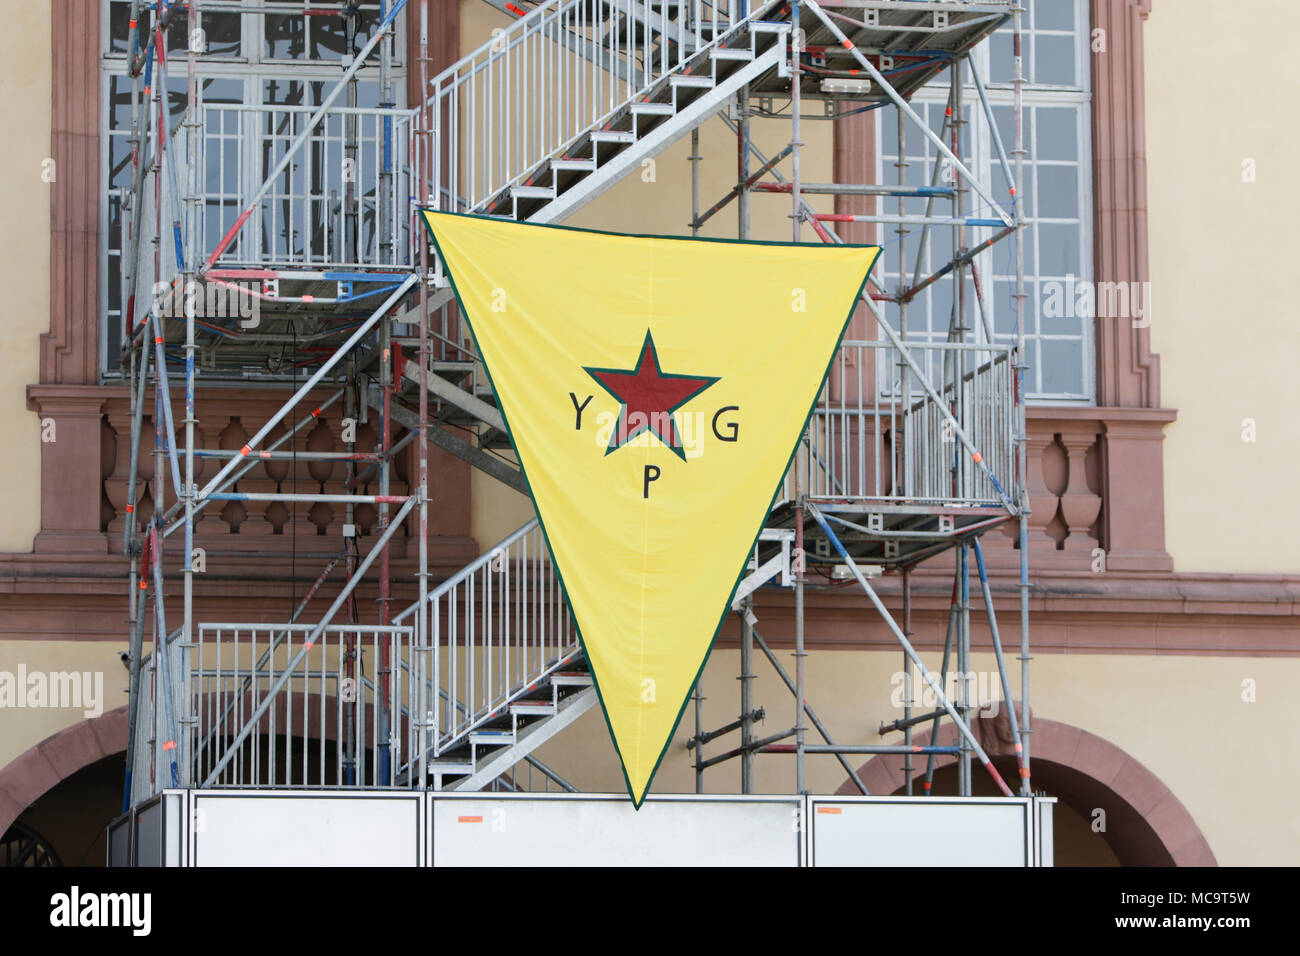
x=916 y=446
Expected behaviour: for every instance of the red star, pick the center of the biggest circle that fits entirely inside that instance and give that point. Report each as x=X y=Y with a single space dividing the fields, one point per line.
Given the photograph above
x=648 y=398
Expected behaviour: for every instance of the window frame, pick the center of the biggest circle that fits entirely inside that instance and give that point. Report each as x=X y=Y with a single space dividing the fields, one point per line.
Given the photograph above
x=253 y=71
x=1080 y=99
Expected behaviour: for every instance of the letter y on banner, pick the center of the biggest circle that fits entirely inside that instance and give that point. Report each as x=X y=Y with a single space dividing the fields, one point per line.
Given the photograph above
x=655 y=390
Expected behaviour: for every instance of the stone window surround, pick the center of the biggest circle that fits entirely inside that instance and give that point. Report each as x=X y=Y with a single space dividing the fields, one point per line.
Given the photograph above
x=1097 y=474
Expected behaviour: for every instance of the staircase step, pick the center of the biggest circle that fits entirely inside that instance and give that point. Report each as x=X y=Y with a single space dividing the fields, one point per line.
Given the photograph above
x=445 y=766
x=532 y=192
x=492 y=738
x=727 y=53
x=699 y=82
x=571 y=679
x=532 y=708
x=612 y=136
x=653 y=109
x=573 y=165
x=442 y=368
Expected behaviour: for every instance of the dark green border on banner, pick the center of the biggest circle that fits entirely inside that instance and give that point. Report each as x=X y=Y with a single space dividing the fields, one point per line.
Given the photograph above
x=542 y=524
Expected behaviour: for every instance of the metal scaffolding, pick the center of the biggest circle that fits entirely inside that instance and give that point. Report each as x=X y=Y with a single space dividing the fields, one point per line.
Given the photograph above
x=915 y=448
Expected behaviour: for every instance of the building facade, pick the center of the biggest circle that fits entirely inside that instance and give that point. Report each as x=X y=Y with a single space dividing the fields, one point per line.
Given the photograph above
x=1164 y=625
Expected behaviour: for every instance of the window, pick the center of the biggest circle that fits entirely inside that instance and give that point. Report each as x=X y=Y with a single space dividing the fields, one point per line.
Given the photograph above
x=1057 y=192
x=251 y=57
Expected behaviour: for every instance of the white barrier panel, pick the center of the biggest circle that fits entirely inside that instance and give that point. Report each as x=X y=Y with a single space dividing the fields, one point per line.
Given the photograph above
x=159 y=826
x=119 y=842
x=387 y=828
x=1045 y=836
x=604 y=830
x=294 y=828
x=926 y=831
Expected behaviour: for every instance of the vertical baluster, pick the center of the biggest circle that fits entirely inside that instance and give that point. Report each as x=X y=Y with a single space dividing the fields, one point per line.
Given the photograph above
x=453 y=645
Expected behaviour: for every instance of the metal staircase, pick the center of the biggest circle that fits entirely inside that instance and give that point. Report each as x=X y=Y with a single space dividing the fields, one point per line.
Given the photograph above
x=657 y=72
x=466 y=683
x=510 y=671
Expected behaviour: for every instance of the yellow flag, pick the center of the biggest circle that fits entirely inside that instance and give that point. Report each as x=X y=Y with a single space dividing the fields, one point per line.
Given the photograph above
x=654 y=389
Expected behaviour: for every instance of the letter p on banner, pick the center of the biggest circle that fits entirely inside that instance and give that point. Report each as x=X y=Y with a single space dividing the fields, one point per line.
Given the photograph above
x=648 y=542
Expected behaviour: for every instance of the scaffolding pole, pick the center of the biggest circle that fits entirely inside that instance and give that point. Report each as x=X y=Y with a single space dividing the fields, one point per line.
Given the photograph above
x=372 y=347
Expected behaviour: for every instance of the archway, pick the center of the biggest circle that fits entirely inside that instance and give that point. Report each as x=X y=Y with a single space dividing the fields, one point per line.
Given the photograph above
x=66 y=787
x=61 y=792
x=1145 y=824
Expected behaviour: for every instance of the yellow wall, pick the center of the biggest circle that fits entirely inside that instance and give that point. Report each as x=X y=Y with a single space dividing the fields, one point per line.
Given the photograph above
x=1223 y=283
x=25 y=727
x=1183 y=718
x=25 y=258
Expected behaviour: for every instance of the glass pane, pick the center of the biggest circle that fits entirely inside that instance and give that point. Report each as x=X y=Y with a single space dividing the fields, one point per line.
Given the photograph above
x=1057 y=133
x=1064 y=305
x=119 y=160
x=119 y=27
x=119 y=102
x=329 y=37
x=1062 y=367
x=1054 y=60
x=177 y=40
x=321 y=36
x=114 y=335
x=280 y=92
x=1000 y=56
x=1058 y=192
x=178 y=97
x=1058 y=249
x=284 y=36
x=1003 y=304
x=221 y=33
x=221 y=91
x=1006 y=120
x=1053 y=14
x=941 y=298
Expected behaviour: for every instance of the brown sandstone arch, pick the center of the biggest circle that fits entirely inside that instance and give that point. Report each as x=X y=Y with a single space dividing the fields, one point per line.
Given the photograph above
x=1147 y=825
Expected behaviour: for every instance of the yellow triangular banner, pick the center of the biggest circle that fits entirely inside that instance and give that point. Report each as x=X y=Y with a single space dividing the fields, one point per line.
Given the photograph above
x=655 y=390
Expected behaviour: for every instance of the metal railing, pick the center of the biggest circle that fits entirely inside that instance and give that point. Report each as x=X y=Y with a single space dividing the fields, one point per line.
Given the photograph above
x=496 y=627
x=865 y=442
x=341 y=719
x=539 y=85
x=344 y=202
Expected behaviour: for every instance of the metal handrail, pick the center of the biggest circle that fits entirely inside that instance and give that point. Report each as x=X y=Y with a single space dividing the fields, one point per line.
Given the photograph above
x=539 y=86
x=494 y=629
x=868 y=442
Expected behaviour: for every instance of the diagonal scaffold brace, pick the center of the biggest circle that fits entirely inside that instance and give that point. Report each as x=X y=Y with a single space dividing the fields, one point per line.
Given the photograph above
x=962 y=726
